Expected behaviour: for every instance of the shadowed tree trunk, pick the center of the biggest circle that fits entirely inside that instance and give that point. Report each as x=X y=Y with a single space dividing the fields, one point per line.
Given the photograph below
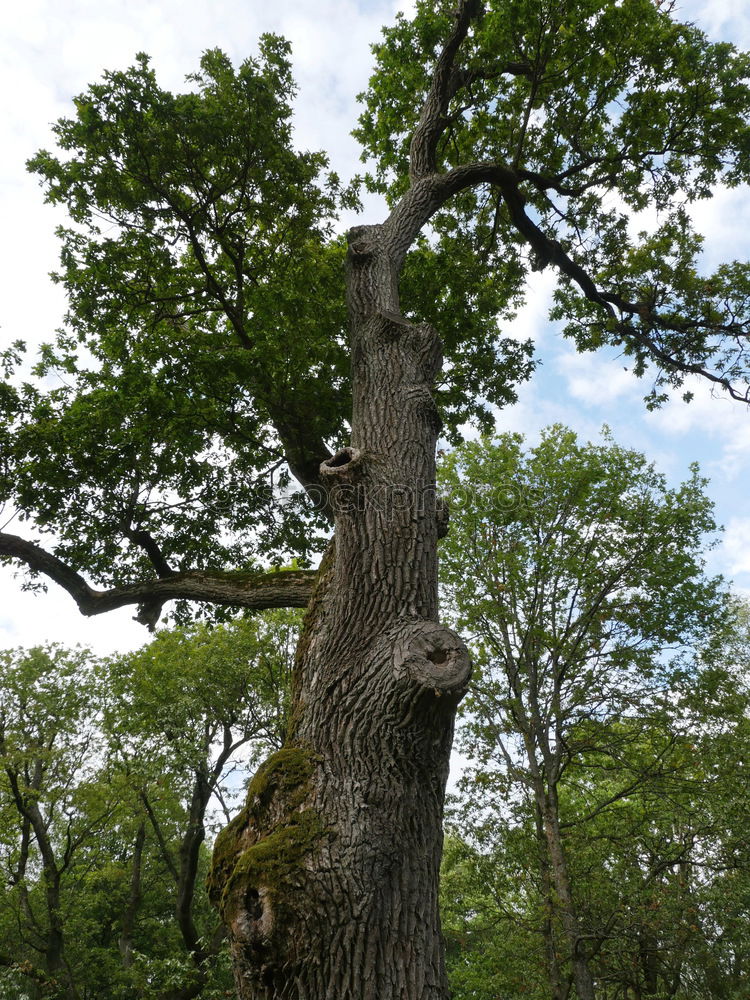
x=135 y=897
x=551 y=961
x=581 y=972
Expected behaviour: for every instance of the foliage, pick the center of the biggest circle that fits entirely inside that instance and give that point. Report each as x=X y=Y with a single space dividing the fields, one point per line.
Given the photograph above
x=114 y=772
x=611 y=683
x=580 y=101
x=490 y=914
x=204 y=361
x=199 y=239
x=579 y=556
x=56 y=801
x=200 y=254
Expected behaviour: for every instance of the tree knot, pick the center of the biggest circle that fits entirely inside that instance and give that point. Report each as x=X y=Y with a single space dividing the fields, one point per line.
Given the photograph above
x=434 y=656
x=362 y=241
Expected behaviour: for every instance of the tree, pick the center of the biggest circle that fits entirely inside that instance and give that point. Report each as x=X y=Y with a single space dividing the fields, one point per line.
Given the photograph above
x=114 y=772
x=53 y=804
x=206 y=349
x=185 y=713
x=661 y=870
x=580 y=575
x=492 y=912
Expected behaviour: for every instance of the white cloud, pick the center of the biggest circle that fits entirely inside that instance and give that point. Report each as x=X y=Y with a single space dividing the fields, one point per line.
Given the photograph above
x=29 y=619
x=712 y=415
x=724 y=221
x=736 y=545
x=594 y=379
x=722 y=20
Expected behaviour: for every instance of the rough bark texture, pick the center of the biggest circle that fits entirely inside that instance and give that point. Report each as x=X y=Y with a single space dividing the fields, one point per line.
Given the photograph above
x=328 y=880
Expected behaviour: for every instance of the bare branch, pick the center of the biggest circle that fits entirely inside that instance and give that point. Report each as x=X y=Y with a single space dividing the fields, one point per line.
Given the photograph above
x=254 y=590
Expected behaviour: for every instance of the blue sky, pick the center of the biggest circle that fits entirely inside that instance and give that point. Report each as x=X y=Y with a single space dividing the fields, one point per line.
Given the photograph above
x=51 y=49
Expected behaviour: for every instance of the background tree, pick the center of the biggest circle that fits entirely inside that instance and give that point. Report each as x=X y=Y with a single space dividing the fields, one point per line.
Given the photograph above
x=579 y=574
x=115 y=772
x=492 y=909
x=187 y=716
x=660 y=869
x=53 y=802
x=205 y=348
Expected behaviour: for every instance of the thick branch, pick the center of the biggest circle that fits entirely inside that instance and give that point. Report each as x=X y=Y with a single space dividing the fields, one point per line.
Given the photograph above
x=429 y=194
x=304 y=450
x=145 y=541
x=445 y=81
x=254 y=590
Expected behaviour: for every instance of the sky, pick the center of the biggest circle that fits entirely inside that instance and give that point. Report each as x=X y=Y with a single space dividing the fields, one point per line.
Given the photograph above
x=50 y=50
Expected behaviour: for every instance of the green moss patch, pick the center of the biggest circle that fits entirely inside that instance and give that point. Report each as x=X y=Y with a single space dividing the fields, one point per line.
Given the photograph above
x=274 y=797
x=275 y=862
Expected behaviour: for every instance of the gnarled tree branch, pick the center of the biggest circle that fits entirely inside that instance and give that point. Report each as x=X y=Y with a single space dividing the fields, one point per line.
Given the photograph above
x=448 y=78
x=445 y=81
x=255 y=590
x=428 y=194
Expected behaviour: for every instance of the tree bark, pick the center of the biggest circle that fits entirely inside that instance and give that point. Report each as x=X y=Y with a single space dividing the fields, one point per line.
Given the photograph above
x=328 y=879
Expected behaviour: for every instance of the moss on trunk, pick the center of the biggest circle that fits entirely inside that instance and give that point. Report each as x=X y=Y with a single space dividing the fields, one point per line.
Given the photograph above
x=260 y=856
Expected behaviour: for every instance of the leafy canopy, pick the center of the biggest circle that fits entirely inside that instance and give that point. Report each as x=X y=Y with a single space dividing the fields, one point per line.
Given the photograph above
x=605 y=118
x=578 y=555
x=610 y=691
x=204 y=352
x=201 y=278
x=204 y=361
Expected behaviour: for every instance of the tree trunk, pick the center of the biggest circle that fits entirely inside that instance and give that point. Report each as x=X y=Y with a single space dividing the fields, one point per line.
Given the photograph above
x=551 y=961
x=135 y=896
x=648 y=951
x=582 y=977
x=328 y=879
